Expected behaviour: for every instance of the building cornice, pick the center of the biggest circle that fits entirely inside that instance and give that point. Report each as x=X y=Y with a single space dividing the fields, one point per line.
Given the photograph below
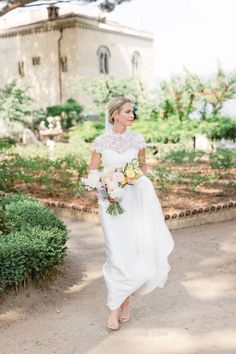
x=75 y=21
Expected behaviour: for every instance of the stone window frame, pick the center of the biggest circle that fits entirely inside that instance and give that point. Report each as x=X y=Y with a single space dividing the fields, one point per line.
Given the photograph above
x=103 y=54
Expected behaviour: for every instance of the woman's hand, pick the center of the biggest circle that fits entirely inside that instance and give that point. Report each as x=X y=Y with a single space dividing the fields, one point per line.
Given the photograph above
x=142 y=163
x=94 y=161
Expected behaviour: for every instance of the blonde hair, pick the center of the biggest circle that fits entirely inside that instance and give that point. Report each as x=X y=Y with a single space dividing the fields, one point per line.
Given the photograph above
x=115 y=105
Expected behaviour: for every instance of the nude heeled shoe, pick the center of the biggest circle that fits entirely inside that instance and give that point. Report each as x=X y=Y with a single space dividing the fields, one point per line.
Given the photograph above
x=113 y=325
x=124 y=319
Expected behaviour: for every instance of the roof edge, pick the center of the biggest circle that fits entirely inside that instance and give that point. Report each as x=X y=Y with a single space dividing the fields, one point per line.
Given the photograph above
x=76 y=20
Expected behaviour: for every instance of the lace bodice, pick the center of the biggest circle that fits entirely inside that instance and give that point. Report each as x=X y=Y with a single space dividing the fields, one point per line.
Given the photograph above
x=119 y=142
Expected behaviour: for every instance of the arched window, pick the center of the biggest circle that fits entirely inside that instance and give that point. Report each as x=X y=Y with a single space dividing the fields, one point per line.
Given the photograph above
x=103 y=57
x=135 y=62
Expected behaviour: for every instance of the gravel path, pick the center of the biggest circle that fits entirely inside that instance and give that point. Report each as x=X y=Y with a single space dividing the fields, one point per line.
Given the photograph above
x=195 y=313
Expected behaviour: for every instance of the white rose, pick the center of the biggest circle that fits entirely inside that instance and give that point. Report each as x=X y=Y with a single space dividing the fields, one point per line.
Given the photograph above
x=118 y=176
x=112 y=185
x=117 y=193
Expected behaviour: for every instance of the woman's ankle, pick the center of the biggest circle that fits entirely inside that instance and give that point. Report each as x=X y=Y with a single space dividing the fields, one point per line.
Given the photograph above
x=124 y=304
x=114 y=312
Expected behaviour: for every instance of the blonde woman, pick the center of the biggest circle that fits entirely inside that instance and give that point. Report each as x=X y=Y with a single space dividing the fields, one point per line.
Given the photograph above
x=138 y=241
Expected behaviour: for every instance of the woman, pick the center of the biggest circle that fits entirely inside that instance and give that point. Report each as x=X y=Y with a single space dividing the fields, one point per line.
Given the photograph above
x=137 y=241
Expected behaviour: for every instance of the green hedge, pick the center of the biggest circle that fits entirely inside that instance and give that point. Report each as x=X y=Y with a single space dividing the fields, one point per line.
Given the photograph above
x=32 y=239
x=23 y=213
x=70 y=112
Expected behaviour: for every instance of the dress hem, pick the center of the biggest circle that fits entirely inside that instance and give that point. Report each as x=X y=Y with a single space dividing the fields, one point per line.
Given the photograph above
x=141 y=294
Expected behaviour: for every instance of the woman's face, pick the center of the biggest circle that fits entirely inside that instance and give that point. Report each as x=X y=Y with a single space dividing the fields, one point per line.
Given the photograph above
x=125 y=116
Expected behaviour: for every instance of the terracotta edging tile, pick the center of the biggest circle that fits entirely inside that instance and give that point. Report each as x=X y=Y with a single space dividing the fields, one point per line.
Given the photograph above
x=182 y=214
x=175 y=215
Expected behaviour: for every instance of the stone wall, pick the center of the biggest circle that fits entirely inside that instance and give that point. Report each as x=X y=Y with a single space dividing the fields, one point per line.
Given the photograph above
x=79 y=40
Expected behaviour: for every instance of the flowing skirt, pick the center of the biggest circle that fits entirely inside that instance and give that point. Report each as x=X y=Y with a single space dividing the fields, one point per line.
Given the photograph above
x=137 y=244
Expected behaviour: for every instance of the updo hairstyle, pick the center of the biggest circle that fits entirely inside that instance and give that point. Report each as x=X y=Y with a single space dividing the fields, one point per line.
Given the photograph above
x=116 y=105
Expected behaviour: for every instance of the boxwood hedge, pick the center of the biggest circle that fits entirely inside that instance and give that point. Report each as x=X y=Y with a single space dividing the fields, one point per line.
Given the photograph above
x=32 y=239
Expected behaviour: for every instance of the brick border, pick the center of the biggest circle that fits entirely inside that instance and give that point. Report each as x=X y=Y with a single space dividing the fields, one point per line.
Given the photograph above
x=190 y=217
x=181 y=215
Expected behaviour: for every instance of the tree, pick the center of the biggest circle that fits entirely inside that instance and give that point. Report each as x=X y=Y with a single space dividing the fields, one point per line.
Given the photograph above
x=185 y=94
x=178 y=96
x=102 y=89
x=216 y=90
x=16 y=112
x=106 y=5
x=15 y=104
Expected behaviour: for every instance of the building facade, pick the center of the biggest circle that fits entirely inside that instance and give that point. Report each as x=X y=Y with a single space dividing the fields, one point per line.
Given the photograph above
x=48 y=53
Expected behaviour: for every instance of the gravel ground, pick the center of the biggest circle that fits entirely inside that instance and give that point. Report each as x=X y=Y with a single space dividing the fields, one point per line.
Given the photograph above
x=195 y=313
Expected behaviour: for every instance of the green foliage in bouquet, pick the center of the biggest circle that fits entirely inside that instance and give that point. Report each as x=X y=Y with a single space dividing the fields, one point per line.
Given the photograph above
x=114 y=208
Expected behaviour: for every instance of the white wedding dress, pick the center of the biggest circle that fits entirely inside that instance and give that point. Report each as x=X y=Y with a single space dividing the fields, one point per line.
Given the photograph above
x=138 y=241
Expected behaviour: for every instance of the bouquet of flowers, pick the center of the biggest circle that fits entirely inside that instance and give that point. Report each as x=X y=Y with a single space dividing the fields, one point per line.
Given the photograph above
x=109 y=184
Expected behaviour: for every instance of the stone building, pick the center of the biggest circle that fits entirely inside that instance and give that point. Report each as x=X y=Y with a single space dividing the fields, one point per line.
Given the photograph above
x=49 y=52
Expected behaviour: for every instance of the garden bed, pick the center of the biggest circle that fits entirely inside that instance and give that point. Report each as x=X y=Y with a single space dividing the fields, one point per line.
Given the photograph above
x=175 y=196
x=184 y=179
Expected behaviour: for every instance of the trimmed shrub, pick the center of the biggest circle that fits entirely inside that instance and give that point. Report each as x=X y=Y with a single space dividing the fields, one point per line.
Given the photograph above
x=13 y=198
x=70 y=112
x=29 y=252
x=32 y=239
x=25 y=213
